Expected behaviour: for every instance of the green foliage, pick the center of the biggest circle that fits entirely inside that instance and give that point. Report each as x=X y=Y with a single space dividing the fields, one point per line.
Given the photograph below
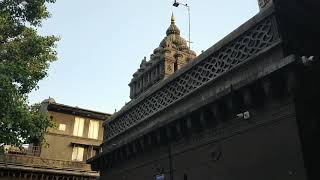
x=25 y=57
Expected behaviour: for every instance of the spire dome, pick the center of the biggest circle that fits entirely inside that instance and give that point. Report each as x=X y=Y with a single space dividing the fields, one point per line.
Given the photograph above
x=173 y=29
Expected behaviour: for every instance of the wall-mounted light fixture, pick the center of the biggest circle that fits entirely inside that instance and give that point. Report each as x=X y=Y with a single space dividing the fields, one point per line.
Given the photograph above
x=245 y=115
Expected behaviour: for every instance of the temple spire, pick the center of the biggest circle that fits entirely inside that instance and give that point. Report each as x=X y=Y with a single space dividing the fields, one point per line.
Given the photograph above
x=173 y=29
x=173 y=20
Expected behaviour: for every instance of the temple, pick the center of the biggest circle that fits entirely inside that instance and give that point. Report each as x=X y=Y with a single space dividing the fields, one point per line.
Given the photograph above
x=171 y=55
x=244 y=109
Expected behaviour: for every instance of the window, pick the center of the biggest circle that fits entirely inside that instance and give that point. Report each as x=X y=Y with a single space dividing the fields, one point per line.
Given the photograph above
x=93 y=129
x=77 y=153
x=62 y=127
x=78 y=126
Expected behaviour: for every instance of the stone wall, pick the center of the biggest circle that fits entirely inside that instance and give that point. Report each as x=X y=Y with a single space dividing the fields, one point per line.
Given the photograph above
x=265 y=147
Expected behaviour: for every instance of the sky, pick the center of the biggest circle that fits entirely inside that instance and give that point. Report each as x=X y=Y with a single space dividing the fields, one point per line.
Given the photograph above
x=103 y=42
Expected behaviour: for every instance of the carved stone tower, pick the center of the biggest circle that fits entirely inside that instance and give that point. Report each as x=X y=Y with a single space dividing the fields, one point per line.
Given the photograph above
x=171 y=55
x=263 y=4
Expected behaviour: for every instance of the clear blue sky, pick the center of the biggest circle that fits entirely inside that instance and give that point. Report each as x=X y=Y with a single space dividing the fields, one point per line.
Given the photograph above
x=103 y=42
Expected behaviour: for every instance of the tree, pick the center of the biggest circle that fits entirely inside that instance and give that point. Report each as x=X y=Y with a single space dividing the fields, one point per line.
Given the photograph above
x=25 y=57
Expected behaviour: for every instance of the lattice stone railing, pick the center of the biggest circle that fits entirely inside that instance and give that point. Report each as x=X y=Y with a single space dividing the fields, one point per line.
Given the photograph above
x=32 y=161
x=259 y=37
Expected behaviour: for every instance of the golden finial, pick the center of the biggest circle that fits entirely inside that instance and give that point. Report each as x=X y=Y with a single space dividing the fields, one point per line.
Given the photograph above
x=172 y=19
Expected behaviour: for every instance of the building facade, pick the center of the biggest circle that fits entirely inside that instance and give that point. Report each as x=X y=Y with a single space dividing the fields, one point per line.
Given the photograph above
x=77 y=135
x=75 y=138
x=246 y=108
